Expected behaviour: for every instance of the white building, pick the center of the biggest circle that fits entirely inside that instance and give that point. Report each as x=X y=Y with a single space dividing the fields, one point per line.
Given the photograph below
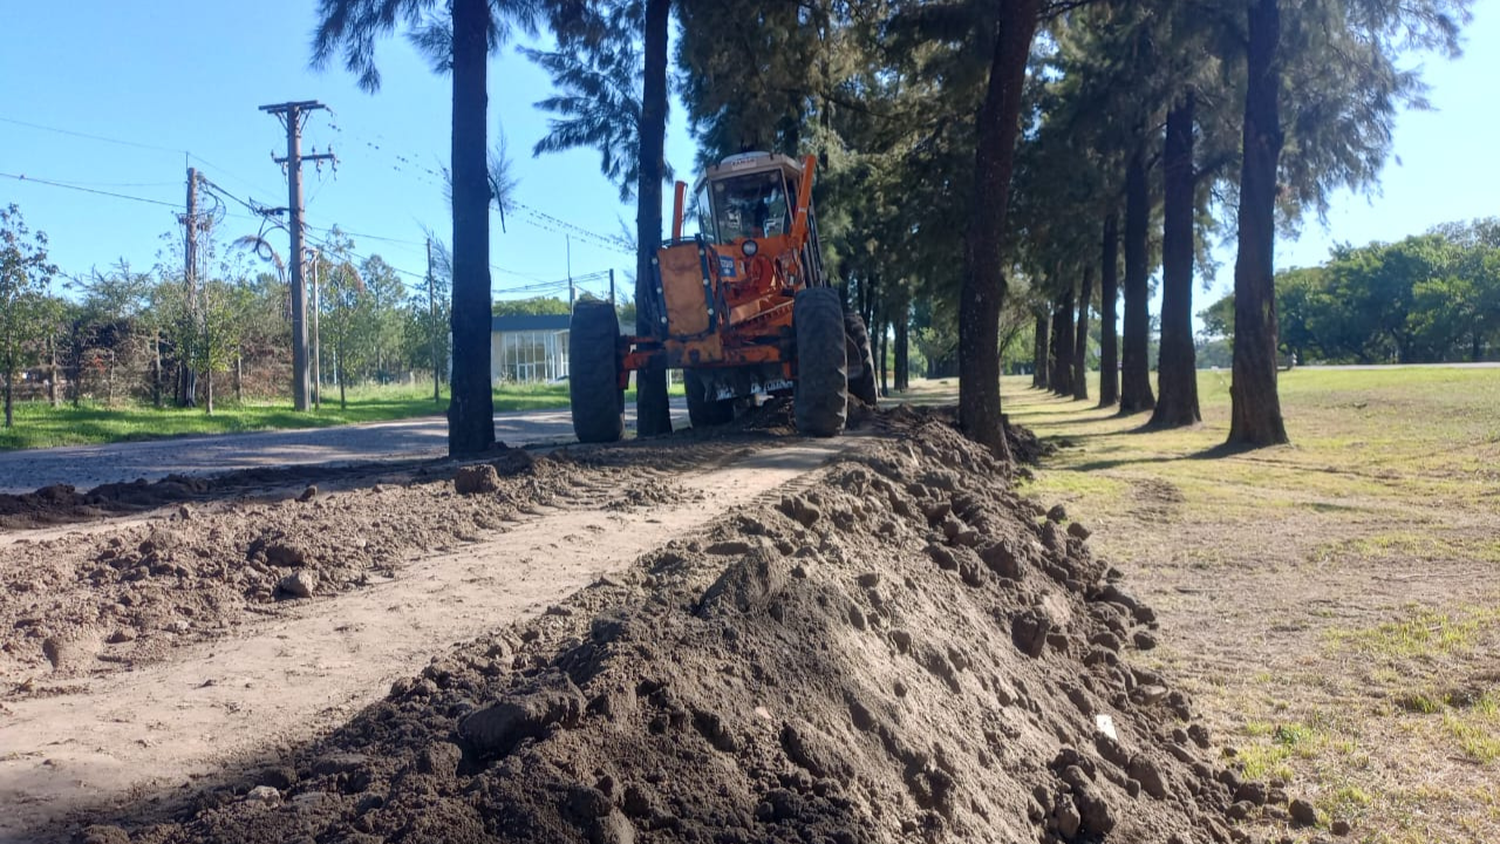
x=528 y=349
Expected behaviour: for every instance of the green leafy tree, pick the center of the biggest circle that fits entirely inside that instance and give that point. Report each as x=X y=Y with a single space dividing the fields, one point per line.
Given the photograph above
x=226 y=308
x=386 y=293
x=25 y=308
x=535 y=306
x=345 y=311
x=109 y=319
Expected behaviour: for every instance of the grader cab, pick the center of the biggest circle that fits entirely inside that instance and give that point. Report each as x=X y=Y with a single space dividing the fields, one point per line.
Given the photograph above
x=741 y=307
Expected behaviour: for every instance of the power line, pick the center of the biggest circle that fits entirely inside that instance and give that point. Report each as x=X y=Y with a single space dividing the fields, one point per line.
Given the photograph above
x=124 y=143
x=106 y=140
x=50 y=183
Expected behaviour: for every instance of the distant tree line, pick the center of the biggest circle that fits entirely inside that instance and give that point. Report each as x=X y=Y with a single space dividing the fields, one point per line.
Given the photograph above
x=121 y=335
x=1428 y=298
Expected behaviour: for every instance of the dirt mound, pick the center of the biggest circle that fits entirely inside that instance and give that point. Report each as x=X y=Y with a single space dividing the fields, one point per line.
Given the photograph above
x=903 y=651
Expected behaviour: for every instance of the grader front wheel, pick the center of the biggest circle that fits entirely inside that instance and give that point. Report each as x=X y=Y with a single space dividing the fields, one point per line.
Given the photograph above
x=821 y=401
x=593 y=373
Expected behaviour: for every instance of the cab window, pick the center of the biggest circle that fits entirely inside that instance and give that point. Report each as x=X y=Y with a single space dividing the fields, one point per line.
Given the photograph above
x=752 y=205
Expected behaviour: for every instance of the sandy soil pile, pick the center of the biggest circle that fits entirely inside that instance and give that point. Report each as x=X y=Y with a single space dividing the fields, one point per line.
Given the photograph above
x=898 y=650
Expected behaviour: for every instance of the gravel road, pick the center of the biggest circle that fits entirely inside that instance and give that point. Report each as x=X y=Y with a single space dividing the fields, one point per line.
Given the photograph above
x=88 y=466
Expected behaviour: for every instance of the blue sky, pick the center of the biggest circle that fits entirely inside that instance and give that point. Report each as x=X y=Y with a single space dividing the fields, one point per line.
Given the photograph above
x=189 y=77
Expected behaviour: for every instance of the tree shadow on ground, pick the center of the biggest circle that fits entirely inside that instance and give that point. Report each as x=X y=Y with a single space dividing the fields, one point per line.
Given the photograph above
x=1217 y=452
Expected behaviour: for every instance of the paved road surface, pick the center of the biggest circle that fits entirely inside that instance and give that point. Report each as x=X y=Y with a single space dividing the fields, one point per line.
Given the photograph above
x=88 y=466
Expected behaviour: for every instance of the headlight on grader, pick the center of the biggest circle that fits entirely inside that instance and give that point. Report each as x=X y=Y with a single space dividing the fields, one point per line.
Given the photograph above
x=749 y=247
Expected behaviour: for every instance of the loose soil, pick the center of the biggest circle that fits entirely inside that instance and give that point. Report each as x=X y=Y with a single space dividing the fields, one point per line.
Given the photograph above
x=708 y=639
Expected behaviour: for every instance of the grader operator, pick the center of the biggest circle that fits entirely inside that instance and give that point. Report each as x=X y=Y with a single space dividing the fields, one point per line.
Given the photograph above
x=742 y=308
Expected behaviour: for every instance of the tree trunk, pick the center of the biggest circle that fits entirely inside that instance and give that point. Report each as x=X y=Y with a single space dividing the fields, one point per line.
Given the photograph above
x=155 y=372
x=471 y=413
x=885 y=347
x=1109 y=297
x=189 y=386
x=10 y=375
x=76 y=385
x=983 y=289
x=1177 y=370
x=208 y=392
x=903 y=351
x=653 y=415
x=1135 y=372
x=52 y=372
x=1062 y=346
x=1041 y=350
x=338 y=373
x=1081 y=337
x=1255 y=406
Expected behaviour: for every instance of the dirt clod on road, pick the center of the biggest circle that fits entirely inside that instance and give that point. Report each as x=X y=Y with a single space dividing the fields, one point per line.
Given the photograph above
x=900 y=649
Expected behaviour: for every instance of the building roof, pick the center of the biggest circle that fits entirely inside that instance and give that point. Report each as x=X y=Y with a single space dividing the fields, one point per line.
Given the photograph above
x=529 y=322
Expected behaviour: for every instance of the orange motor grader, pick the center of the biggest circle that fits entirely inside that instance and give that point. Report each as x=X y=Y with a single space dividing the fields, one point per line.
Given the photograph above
x=742 y=308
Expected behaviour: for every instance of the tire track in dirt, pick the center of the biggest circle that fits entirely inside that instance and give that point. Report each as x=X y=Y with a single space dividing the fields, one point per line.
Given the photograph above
x=113 y=738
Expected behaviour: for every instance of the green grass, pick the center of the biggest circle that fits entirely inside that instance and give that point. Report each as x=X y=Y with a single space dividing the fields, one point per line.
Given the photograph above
x=1476 y=729
x=1424 y=633
x=1360 y=439
x=39 y=425
x=1269 y=756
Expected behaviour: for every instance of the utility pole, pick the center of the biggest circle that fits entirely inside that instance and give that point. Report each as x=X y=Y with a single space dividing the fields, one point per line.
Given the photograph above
x=568 y=239
x=291 y=115
x=187 y=379
x=611 y=285
x=432 y=320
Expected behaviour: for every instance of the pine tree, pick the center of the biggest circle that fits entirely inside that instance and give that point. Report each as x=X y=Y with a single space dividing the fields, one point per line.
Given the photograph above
x=458 y=37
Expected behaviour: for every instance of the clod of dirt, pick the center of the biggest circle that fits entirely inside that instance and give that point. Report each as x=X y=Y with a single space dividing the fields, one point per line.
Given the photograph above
x=308 y=494
x=284 y=555
x=498 y=728
x=1254 y=792
x=72 y=650
x=298 y=584
x=800 y=509
x=474 y=480
x=1303 y=813
x=263 y=794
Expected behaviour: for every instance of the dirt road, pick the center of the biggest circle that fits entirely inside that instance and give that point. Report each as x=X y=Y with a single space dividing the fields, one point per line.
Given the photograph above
x=86 y=467
x=85 y=733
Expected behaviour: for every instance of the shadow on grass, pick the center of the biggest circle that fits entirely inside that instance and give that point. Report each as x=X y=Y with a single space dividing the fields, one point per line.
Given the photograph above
x=1218 y=452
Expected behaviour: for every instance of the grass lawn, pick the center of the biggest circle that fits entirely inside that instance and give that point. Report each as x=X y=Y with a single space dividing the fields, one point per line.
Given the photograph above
x=39 y=425
x=1332 y=605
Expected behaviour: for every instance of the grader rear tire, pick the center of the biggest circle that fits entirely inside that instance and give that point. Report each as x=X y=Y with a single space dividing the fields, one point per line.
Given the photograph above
x=861 y=360
x=704 y=412
x=593 y=373
x=821 y=402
